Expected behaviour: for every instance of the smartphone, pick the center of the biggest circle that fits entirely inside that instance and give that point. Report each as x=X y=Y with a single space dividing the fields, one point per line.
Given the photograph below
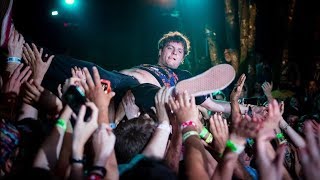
x=75 y=98
x=106 y=85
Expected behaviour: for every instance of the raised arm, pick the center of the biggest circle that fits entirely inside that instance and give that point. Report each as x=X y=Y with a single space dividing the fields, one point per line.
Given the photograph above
x=158 y=143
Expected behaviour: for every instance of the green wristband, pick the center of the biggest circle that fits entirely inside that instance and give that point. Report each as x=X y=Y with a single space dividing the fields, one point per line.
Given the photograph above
x=61 y=123
x=235 y=147
x=186 y=135
x=279 y=135
x=203 y=132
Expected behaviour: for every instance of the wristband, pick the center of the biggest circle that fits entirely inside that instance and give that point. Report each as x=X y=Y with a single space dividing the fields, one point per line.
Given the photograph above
x=188 y=134
x=100 y=169
x=166 y=127
x=80 y=161
x=203 y=132
x=112 y=125
x=281 y=138
x=209 y=139
x=186 y=124
x=61 y=123
x=234 y=147
x=14 y=60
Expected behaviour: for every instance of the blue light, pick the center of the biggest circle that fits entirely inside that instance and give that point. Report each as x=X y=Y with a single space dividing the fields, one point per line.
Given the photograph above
x=54 y=13
x=69 y=2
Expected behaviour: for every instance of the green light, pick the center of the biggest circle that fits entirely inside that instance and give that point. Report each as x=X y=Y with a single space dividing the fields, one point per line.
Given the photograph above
x=69 y=2
x=54 y=13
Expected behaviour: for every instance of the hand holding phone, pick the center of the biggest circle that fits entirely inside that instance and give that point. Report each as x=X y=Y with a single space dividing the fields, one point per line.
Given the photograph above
x=75 y=98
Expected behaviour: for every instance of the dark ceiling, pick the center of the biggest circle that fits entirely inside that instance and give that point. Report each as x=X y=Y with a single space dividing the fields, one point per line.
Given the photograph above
x=118 y=34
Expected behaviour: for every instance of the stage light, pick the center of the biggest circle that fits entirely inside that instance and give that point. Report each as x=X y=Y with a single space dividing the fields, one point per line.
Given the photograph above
x=70 y=2
x=54 y=13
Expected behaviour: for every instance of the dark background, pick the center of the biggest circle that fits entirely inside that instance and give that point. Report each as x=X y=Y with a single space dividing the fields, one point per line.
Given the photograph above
x=118 y=34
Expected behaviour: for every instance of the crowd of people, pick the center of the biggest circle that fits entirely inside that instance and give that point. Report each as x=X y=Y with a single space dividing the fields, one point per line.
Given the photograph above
x=63 y=118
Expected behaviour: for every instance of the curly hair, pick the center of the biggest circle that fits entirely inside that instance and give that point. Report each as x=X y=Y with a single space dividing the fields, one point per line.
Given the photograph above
x=175 y=37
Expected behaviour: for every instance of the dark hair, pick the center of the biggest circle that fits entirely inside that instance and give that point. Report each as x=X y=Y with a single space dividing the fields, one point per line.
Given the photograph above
x=149 y=168
x=175 y=37
x=132 y=137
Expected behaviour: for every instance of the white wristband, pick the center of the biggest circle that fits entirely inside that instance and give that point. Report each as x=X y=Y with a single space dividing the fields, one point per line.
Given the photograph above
x=165 y=126
x=14 y=60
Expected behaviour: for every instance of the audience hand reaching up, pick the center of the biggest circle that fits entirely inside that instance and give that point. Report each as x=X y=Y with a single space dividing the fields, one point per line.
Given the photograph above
x=269 y=168
x=38 y=62
x=19 y=76
x=84 y=128
x=220 y=131
x=310 y=155
x=103 y=144
x=184 y=107
x=94 y=91
x=130 y=108
x=15 y=44
x=161 y=100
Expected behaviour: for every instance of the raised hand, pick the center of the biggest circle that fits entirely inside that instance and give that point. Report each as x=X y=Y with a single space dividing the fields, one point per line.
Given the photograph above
x=161 y=100
x=32 y=92
x=310 y=155
x=235 y=94
x=184 y=107
x=13 y=84
x=130 y=108
x=274 y=115
x=94 y=91
x=84 y=128
x=267 y=88
x=15 y=44
x=220 y=131
x=103 y=144
x=269 y=168
x=78 y=73
x=38 y=63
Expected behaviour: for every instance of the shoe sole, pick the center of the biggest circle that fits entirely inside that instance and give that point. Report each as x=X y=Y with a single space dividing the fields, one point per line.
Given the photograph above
x=6 y=25
x=214 y=79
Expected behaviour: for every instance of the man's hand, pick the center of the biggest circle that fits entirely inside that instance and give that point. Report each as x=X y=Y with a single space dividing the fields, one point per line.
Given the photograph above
x=310 y=156
x=33 y=92
x=13 y=84
x=84 y=128
x=34 y=59
x=103 y=144
x=220 y=131
x=184 y=107
x=161 y=99
x=15 y=44
x=130 y=108
x=269 y=168
x=235 y=94
x=95 y=93
x=267 y=88
x=274 y=115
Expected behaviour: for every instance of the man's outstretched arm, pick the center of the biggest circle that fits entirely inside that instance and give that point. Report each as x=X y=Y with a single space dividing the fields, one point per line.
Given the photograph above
x=221 y=106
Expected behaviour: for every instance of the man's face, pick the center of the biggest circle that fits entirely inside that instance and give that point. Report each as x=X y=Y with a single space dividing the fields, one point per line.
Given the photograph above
x=171 y=55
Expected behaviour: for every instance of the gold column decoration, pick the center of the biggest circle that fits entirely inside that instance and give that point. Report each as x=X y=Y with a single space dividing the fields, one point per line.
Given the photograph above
x=231 y=31
x=243 y=20
x=252 y=26
x=213 y=47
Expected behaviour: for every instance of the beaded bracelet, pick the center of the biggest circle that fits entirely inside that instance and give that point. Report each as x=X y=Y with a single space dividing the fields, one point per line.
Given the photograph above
x=186 y=124
x=61 y=123
x=186 y=135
